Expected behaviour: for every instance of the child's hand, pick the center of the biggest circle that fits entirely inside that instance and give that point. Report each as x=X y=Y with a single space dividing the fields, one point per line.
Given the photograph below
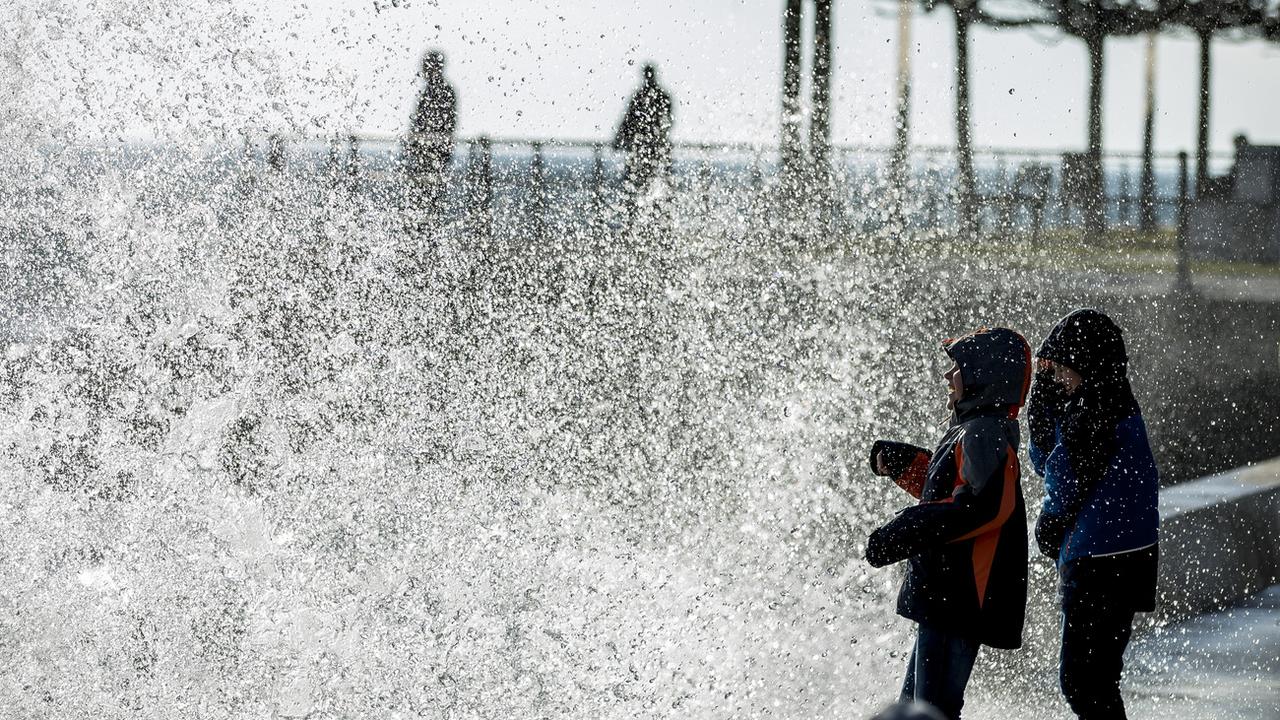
x=891 y=459
x=1044 y=407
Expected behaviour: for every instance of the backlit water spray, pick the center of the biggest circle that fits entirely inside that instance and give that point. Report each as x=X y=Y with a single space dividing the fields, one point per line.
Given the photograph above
x=271 y=451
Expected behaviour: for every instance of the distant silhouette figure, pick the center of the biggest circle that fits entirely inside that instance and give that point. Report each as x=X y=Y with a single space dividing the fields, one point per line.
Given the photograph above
x=645 y=135
x=343 y=165
x=276 y=158
x=429 y=146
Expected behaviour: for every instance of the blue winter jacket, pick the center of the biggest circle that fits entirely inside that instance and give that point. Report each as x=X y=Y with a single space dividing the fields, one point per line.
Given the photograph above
x=1121 y=512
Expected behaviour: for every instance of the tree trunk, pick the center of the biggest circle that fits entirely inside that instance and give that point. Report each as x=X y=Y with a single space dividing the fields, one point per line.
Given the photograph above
x=790 y=141
x=1147 y=192
x=1202 y=139
x=966 y=202
x=1094 y=203
x=820 y=119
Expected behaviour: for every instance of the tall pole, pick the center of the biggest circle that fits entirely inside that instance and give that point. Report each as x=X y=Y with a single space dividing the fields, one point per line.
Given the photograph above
x=1094 y=200
x=1183 y=281
x=597 y=182
x=1147 y=191
x=790 y=141
x=820 y=119
x=1202 y=138
x=538 y=195
x=964 y=138
x=902 y=130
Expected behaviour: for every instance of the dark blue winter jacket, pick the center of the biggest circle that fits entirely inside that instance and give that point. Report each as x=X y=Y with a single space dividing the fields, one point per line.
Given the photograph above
x=1091 y=447
x=1119 y=512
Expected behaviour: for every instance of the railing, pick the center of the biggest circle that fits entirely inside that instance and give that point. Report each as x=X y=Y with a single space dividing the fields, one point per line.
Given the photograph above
x=506 y=180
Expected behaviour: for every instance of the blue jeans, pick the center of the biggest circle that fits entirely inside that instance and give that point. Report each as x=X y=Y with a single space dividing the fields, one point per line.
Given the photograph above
x=939 y=670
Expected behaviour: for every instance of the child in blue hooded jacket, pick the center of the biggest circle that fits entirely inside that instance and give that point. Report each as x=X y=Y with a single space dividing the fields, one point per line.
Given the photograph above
x=1100 y=517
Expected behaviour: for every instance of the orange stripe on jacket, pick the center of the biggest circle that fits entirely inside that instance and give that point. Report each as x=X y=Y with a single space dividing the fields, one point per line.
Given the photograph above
x=988 y=535
x=912 y=480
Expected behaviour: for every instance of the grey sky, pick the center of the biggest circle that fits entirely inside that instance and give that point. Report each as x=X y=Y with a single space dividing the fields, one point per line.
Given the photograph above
x=537 y=68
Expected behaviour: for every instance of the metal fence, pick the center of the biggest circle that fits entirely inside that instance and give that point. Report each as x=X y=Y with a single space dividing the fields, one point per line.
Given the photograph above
x=540 y=184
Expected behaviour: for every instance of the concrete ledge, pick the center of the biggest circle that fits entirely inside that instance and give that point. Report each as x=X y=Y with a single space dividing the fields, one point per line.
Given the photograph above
x=1219 y=539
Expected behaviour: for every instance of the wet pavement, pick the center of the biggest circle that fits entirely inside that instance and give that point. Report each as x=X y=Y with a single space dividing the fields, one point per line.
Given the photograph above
x=1218 y=666
x=1222 y=665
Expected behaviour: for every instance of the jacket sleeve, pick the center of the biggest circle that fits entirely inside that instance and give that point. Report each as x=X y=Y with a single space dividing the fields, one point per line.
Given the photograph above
x=1044 y=413
x=984 y=498
x=908 y=465
x=1064 y=496
x=1064 y=493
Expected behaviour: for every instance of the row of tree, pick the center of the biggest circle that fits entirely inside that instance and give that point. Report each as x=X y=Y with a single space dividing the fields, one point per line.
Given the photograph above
x=1091 y=21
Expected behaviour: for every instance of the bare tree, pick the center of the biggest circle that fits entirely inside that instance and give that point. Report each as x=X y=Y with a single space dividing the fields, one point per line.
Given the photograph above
x=805 y=156
x=792 y=152
x=1207 y=18
x=902 y=117
x=966 y=14
x=1093 y=21
x=820 y=91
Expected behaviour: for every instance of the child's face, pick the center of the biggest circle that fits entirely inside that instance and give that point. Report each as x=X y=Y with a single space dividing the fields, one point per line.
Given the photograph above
x=955 y=386
x=1069 y=379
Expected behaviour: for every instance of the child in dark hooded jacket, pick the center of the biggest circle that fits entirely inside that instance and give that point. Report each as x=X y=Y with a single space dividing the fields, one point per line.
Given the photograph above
x=1100 y=517
x=966 y=540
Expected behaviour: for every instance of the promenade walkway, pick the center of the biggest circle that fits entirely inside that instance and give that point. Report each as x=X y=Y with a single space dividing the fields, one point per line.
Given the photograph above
x=1218 y=542
x=1223 y=665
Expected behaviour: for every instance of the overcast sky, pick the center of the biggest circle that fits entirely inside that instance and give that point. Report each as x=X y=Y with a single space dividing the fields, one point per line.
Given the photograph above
x=543 y=68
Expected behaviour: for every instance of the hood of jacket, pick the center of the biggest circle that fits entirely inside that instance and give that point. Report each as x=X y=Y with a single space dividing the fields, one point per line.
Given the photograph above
x=995 y=370
x=1090 y=343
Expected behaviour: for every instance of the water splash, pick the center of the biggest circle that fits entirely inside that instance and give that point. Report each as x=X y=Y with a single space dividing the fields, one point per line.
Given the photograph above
x=271 y=450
